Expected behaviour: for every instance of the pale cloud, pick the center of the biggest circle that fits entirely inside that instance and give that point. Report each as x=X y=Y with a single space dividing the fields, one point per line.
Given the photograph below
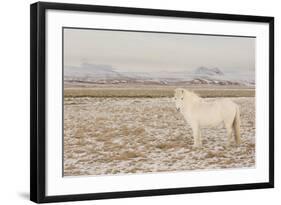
x=146 y=51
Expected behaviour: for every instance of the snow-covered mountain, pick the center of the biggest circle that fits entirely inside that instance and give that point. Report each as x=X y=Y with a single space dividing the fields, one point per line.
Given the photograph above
x=208 y=71
x=90 y=71
x=105 y=74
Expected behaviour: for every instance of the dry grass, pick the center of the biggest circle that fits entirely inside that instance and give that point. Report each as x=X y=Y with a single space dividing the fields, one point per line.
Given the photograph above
x=127 y=155
x=154 y=92
x=170 y=145
x=137 y=135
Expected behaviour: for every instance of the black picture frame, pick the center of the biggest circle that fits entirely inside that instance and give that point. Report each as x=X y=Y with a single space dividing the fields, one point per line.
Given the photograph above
x=38 y=101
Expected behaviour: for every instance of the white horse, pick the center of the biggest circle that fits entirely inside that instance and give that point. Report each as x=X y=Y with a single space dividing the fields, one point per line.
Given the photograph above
x=199 y=113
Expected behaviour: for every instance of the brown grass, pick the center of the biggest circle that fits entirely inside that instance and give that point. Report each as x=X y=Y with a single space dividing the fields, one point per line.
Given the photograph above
x=153 y=92
x=127 y=155
x=170 y=145
x=103 y=136
x=211 y=154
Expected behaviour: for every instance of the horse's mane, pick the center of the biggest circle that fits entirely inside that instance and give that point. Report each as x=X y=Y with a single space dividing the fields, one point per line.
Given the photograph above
x=191 y=94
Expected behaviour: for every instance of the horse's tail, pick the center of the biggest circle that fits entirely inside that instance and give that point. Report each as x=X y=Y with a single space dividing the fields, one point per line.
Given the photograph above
x=236 y=126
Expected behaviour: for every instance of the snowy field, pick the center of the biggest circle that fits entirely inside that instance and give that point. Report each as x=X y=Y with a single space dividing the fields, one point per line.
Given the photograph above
x=139 y=135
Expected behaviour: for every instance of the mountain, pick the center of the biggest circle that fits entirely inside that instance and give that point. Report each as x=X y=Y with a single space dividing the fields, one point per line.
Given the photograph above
x=214 y=76
x=106 y=74
x=92 y=73
x=208 y=71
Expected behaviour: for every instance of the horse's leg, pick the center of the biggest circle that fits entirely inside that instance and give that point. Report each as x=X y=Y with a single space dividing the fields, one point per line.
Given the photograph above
x=199 y=138
x=229 y=134
x=196 y=135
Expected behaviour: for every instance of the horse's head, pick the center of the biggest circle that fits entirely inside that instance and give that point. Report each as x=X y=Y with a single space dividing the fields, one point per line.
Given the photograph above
x=178 y=98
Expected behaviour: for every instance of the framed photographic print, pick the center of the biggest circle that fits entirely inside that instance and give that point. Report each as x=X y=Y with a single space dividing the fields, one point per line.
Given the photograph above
x=129 y=102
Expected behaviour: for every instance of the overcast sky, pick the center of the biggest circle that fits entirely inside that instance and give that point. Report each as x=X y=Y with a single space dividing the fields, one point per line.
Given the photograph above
x=146 y=52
